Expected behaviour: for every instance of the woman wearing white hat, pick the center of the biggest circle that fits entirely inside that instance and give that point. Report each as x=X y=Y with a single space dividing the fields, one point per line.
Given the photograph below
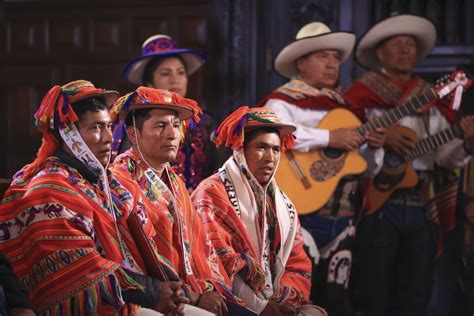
x=398 y=241
x=312 y=64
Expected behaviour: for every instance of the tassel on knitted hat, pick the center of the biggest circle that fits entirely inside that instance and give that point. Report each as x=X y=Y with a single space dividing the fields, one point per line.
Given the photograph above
x=55 y=110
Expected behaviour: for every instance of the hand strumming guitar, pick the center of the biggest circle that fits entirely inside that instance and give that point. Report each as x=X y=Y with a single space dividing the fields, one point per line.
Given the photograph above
x=376 y=139
x=398 y=142
x=345 y=138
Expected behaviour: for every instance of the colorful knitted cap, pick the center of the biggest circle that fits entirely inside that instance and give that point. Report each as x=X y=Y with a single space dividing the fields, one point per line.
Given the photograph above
x=232 y=130
x=55 y=110
x=151 y=98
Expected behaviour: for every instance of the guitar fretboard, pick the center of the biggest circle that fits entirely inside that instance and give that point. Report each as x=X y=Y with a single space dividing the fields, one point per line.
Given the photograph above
x=434 y=141
x=408 y=107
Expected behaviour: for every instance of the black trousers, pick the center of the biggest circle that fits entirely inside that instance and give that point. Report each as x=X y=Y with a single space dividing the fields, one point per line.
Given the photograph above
x=393 y=262
x=330 y=277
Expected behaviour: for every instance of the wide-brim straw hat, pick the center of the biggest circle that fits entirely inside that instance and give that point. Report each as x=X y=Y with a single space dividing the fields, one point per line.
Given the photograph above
x=422 y=29
x=310 y=38
x=162 y=46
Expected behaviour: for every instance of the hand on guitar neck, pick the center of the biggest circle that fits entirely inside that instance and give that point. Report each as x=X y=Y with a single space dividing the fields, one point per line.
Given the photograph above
x=400 y=143
x=376 y=139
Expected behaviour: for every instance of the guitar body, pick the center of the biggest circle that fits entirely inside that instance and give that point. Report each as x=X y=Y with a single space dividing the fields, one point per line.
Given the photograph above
x=396 y=173
x=322 y=169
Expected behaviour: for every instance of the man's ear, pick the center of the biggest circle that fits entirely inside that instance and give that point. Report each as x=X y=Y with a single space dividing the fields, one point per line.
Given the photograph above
x=131 y=133
x=300 y=64
x=379 y=53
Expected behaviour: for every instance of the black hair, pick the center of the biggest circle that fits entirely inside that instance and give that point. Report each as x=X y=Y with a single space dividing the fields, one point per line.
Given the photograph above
x=81 y=107
x=152 y=65
x=94 y=104
x=141 y=116
x=253 y=133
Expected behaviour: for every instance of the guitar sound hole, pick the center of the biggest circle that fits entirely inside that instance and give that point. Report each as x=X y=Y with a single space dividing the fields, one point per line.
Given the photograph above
x=386 y=182
x=392 y=160
x=332 y=153
x=392 y=172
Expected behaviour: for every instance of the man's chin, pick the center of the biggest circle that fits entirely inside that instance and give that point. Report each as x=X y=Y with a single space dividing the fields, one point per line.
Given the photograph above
x=104 y=161
x=170 y=158
x=406 y=67
x=263 y=180
x=329 y=83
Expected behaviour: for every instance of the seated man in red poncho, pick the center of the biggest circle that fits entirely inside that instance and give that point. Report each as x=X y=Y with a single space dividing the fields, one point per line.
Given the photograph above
x=252 y=224
x=155 y=120
x=59 y=228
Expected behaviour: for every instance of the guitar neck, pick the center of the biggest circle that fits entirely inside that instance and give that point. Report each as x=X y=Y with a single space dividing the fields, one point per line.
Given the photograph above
x=408 y=107
x=432 y=142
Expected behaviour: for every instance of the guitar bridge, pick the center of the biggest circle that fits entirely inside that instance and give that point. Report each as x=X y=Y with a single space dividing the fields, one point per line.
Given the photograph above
x=297 y=169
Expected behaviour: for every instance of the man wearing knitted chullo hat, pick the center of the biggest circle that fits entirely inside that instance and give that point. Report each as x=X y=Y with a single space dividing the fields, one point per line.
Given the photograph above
x=155 y=121
x=60 y=229
x=252 y=224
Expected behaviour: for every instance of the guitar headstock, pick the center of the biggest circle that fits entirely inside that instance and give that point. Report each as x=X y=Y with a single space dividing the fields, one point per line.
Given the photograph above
x=449 y=83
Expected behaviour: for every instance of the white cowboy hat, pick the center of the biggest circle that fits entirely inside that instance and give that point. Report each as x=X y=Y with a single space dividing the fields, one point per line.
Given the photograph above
x=311 y=38
x=420 y=28
x=162 y=46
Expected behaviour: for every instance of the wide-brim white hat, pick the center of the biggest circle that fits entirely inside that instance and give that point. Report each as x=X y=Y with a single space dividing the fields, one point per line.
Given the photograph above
x=162 y=46
x=422 y=29
x=310 y=38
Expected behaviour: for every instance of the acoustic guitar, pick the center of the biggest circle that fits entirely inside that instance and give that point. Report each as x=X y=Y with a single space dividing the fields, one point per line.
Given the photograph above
x=397 y=171
x=310 y=178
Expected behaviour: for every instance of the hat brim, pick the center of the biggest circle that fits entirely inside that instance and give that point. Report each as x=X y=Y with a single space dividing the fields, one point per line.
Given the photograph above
x=422 y=29
x=183 y=113
x=192 y=59
x=110 y=96
x=283 y=129
x=285 y=62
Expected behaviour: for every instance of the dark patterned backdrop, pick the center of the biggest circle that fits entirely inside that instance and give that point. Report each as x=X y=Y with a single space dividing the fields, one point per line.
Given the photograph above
x=47 y=42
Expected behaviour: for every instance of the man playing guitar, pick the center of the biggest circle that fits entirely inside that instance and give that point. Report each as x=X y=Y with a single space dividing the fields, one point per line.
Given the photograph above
x=396 y=245
x=312 y=62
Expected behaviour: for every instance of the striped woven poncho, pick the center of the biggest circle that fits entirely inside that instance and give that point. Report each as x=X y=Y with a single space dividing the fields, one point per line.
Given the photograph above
x=63 y=243
x=216 y=200
x=207 y=272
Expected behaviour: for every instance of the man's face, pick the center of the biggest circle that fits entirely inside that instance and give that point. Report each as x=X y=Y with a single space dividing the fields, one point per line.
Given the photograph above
x=320 y=69
x=171 y=75
x=96 y=131
x=262 y=155
x=398 y=54
x=159 y=136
